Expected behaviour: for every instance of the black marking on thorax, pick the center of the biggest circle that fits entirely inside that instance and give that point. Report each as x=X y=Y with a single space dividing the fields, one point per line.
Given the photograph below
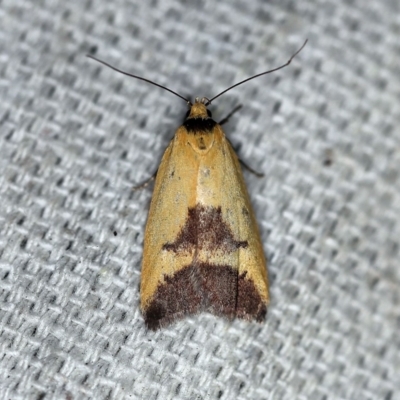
x=199 y=125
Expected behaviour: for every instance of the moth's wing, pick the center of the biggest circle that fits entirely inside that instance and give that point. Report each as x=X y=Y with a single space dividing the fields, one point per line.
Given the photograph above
x=202 y=249
x=174 y=193
x=225 y=188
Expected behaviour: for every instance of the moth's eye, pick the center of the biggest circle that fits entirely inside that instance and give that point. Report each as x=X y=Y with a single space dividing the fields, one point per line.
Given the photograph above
x=209 y=113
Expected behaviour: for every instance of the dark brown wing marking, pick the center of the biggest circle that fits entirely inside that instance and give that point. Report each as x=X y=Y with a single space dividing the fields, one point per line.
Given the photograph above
x=205 y=230
x=204 y=287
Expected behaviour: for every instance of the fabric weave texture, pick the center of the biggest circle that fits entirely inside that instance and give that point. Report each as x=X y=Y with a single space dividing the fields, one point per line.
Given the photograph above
x=76 y=137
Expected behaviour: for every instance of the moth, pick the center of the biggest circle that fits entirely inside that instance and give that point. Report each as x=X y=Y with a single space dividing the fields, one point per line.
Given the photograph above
x=202 y=247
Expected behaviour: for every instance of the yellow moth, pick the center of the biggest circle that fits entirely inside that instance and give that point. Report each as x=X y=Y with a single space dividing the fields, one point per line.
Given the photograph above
x=202 y=249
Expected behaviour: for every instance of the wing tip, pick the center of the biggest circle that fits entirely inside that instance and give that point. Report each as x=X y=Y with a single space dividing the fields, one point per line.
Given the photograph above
x=202 y=287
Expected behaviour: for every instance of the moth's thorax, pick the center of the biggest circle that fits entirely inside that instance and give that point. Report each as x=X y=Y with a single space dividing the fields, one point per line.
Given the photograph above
x=200 y=143
x=199 y=128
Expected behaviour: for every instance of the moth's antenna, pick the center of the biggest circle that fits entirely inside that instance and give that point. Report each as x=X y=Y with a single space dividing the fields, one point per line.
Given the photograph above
x=138 y=77
x=262 y=73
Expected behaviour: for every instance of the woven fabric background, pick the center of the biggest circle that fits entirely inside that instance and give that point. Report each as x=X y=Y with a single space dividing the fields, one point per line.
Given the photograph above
x=76 y=137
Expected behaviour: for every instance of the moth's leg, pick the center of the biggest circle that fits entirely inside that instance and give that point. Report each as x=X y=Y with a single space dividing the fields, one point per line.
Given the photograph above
x=253 y=171
x=146 y=182
x=226 y=119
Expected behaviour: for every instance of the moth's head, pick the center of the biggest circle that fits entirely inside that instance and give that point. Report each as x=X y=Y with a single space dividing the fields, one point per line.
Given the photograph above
x=199 y=109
